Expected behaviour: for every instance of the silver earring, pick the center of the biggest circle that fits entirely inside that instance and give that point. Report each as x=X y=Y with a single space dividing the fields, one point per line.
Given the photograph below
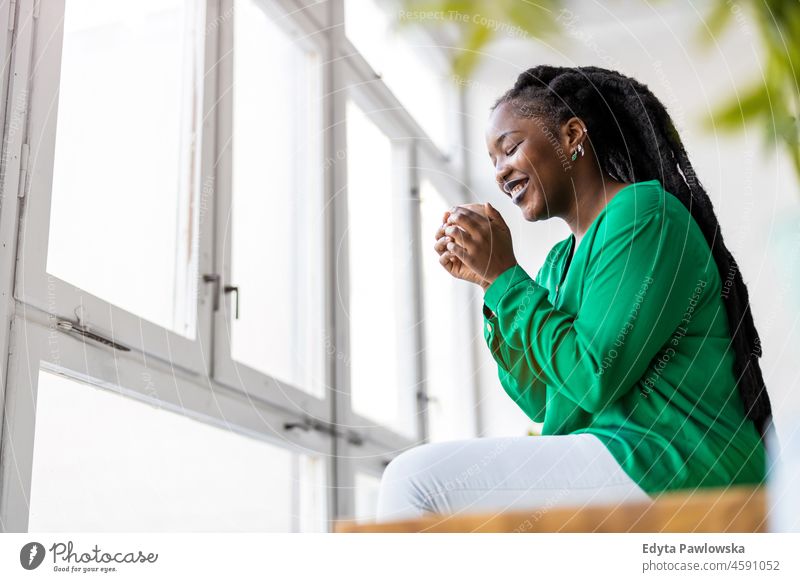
x=578 y=150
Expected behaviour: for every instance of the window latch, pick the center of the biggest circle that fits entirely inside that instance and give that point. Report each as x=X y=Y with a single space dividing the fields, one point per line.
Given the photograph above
x=213 y=278
x=309 y=424
x=75 y=329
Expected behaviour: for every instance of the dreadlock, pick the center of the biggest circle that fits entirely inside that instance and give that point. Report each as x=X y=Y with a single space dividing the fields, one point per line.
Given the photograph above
x=635 y=140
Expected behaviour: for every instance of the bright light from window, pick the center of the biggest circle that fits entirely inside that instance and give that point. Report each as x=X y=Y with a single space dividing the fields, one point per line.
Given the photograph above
x=124 y=220
x=451 y=410
x=403 y=66
x=366 y=491
x=106 y=462
x=278 y=219
x=376 y=226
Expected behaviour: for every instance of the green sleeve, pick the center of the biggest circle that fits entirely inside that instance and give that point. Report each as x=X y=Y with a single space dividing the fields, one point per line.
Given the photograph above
x=640 y=278
x=524 y=387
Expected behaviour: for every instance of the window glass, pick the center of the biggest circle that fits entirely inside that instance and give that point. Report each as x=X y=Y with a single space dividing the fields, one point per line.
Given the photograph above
x=106 y=462
x=452 y=404
x=379 y=366
x=277 y=218
x=367 y=489
x=399 y=58
x=124 y=220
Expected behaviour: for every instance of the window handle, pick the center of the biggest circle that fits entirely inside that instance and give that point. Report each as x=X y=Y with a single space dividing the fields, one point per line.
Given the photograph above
x=304 y=426
x=213 y=278
x=233 y=289
x=84 y=332
x=425 y=398
x=309 y=424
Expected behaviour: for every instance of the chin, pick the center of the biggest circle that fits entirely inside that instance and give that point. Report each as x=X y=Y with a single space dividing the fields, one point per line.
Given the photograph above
x=532 y=214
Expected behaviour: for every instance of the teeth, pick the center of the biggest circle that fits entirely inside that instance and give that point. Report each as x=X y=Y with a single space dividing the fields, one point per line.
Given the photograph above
x=516 y=188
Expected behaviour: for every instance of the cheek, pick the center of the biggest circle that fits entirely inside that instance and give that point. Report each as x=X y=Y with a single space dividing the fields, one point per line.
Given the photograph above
x=532 y=161
x=545 y=169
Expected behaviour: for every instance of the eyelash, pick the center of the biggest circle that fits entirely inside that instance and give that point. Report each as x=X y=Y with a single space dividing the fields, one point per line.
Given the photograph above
x=512 y=150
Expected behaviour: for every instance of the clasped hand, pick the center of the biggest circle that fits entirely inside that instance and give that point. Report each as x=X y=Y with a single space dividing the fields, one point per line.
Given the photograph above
x=474 y=244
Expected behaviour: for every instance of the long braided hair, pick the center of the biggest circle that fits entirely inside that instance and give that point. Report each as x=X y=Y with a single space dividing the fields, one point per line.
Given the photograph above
x=635 y=140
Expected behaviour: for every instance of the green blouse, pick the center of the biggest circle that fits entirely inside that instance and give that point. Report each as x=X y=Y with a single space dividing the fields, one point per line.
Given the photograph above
x=627 y=338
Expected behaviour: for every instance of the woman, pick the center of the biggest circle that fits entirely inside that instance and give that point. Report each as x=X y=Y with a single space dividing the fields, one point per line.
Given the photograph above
x=634 y=343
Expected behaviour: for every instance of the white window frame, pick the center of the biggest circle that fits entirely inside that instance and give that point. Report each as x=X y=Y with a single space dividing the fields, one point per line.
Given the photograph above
x=193 y=374
x=41 y=291
x=130 y=375
x=454 y=189
x=226 y=370
x=403 y=205
x=355 y=78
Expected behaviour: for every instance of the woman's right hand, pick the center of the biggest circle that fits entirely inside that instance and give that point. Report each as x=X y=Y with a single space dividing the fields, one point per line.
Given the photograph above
x=451 y=262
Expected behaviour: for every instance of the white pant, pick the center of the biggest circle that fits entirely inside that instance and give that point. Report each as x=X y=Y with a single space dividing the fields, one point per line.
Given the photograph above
x=502 y=474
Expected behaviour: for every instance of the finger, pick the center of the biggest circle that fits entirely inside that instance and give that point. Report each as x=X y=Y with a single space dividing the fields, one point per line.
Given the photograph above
x=458 y=235
x=457 y=250
x=475 y=206
x=463 y=238
x=440 y=232
x=448 y=261
x=471 y=221
x=494 y=214
x=441 y=245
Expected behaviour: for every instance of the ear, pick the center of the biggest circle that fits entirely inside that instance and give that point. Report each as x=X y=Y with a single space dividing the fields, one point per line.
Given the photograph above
x=573 y=132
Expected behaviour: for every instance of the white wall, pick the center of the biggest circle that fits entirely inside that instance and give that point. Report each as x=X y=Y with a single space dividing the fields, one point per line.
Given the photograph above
x=754 y=190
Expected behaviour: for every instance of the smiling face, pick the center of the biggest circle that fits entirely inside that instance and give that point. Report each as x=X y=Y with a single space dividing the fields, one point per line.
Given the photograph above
x=531 y=162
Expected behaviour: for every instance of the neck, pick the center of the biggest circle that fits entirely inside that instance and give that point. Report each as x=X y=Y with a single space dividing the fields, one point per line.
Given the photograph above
x=590 y=196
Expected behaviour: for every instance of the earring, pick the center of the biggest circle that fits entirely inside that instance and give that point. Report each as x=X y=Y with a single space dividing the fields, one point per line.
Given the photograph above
x=578 y=149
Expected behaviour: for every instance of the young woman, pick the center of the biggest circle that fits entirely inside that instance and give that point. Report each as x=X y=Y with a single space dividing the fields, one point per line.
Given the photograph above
x=634 y=344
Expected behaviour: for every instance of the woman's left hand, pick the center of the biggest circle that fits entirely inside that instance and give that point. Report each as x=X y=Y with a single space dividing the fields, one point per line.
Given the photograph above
x=484 y=243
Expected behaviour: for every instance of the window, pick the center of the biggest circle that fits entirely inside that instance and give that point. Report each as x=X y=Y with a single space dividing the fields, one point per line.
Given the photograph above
x=405 y=62
x=381 y=377
x=106 y=462
x=367 y=487
x=218 y=281
x=116 y=146
x=277 y=218
x=451 y=401
x=124 y=220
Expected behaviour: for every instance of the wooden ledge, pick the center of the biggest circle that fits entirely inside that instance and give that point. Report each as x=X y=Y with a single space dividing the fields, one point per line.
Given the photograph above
x=733 y=509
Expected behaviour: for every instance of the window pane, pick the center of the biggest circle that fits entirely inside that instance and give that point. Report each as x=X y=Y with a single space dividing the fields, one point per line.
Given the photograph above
x=106 y=462
x=367 y=489
x=379 y=367
x=123 y=223
x=451 y=410
x=403 y=66
x=277 y=221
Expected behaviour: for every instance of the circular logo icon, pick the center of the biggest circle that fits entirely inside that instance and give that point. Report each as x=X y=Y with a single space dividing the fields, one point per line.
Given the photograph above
x=31 y=555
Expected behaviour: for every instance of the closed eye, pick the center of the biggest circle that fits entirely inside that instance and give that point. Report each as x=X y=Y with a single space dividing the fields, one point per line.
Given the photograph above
x=513 y=149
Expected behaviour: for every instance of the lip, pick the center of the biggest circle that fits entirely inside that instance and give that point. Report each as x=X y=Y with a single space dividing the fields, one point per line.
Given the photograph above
x=517 y=198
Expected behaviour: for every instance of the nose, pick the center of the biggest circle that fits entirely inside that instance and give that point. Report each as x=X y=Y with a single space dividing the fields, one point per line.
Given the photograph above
x=501 y=172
